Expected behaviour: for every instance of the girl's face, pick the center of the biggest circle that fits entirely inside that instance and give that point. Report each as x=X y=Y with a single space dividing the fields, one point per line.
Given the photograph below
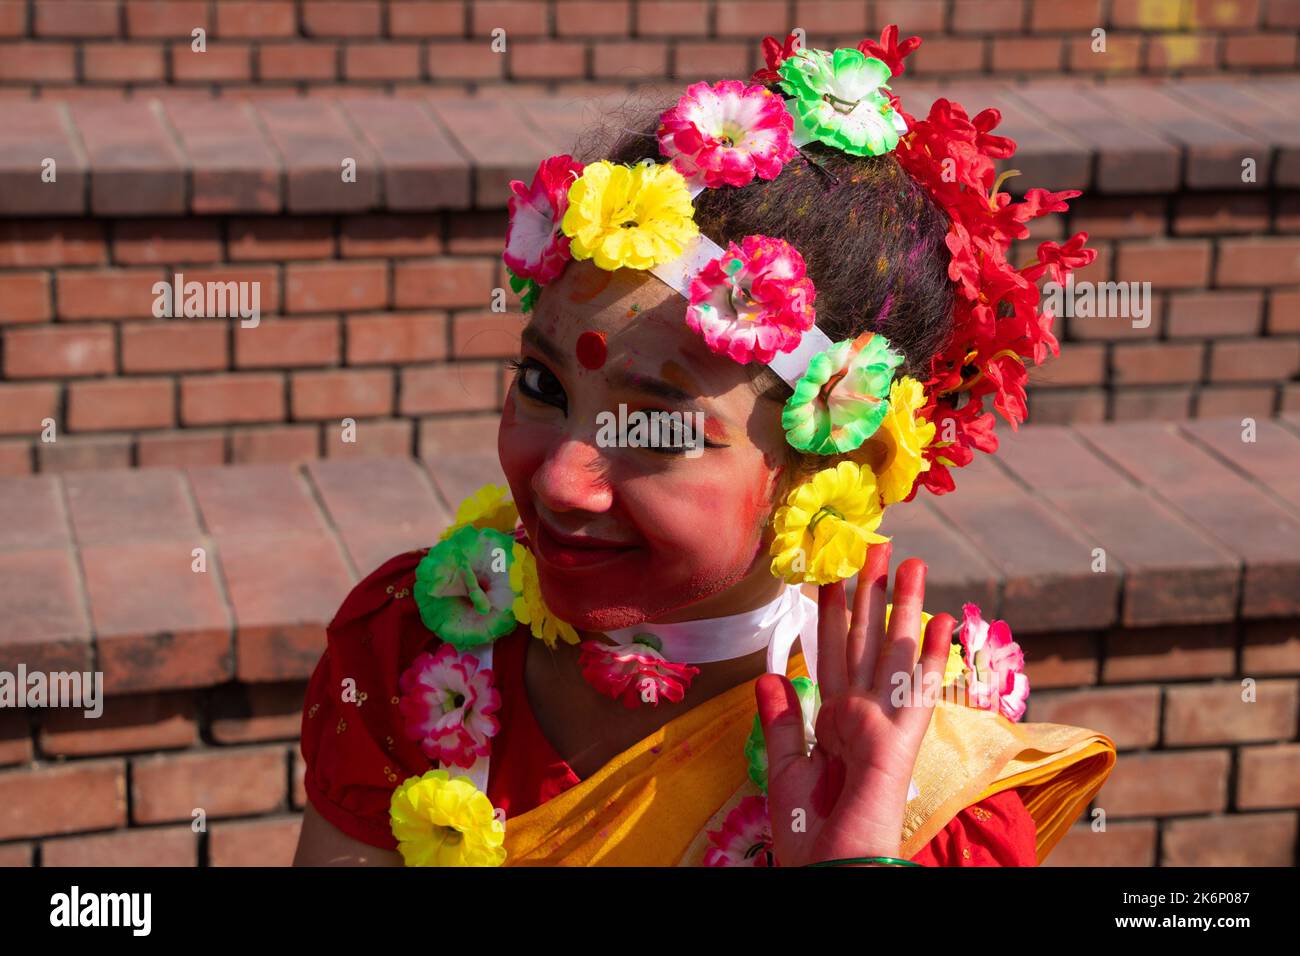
x=625 y=535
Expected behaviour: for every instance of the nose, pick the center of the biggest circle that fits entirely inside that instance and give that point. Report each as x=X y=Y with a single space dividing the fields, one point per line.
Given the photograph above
x=574 y=477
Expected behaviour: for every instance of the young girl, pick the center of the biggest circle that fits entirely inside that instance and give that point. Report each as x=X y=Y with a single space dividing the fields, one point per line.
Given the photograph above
x=756 y=322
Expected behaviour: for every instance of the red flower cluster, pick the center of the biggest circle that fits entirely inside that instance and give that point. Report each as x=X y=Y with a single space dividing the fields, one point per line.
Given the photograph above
x=998 y=325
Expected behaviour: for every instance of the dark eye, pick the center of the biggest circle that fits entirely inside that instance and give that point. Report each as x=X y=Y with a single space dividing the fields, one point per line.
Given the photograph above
x=537 y=382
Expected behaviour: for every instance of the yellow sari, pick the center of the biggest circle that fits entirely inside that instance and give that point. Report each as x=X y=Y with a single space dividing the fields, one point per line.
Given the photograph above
x=653 y=803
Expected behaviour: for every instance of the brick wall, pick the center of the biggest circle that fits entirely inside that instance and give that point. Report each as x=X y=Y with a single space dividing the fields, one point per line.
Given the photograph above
x=1199 y=598
x=88 y=47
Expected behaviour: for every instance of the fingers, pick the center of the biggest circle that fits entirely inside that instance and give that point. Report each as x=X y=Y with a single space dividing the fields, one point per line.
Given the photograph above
x=928 y=676
x=868 y=626
x=782 y=721
x=832 y=628
x=898 y=654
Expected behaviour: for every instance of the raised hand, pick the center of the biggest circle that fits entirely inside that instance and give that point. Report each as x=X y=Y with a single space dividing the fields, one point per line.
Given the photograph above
x=847 y=798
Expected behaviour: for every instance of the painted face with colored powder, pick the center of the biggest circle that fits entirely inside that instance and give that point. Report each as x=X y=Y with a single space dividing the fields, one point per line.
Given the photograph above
x=627 y=534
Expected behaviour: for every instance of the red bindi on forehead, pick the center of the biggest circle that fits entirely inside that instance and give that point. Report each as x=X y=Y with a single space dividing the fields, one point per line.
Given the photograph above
x=591 y=350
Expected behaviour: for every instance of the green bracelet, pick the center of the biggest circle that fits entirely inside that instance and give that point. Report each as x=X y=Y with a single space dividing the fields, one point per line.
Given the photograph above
x=887 y=860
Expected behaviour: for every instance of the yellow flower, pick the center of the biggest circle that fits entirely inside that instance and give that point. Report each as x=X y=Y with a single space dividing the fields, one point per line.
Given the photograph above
x=823 y=529
x=489 y=507
x=439 y=820
x=894 y=451
x=955 y=664
x=629 y=217
x=529 y=608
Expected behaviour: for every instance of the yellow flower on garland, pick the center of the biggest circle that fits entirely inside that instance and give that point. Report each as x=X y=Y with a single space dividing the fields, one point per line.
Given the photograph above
x=440 y=820
x=956 y=663
x=489 y=507
x=529 y=608
x=629 y=217
x=823 y=529
x=894 y=451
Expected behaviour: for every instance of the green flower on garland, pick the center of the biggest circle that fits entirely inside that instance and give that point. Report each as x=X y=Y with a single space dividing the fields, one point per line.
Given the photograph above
x=462 y=587
x=810 y=702
x=843 y=396
x=526 y=289
x=836 y=100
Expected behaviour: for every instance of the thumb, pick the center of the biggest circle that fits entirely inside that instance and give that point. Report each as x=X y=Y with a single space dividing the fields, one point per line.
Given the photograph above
x=781 y=717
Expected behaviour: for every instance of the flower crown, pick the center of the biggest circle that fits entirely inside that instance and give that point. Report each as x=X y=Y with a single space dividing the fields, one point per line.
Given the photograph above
x=753 y=302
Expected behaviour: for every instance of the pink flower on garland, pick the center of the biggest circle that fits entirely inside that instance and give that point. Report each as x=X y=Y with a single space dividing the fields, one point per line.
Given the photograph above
x=753 y=301
x=636 y=673
x=745 y=838
x=996 y=665
x=447 y=704
x=535 y=247
x=726 y=134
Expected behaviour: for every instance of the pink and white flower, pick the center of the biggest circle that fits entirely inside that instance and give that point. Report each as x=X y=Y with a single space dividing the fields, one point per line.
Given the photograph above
x=535 y=247
x=727 y=134
x=753 y=301
x=447 y=704
x=995 y=677
x=635 y=673
x=745 y=838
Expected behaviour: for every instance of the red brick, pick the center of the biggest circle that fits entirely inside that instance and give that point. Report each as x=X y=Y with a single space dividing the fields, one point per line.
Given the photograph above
x=136 y=847
x=122 y=63
x=250 y=713
x=1147 y=14
x=1151 y=403
x=297 y=61
x=76 y=18
x=1283 y=312
x=1260 y=50
x=754 y=19
x=277 y=443
x=219 y=63
x=327 y=18
x=1219 y=713
x=32 y=515
x=1217 y=401
x=381 y=61
x=27 y=63
x=221 y=399
x=223 y=783
x=449 y=282
x=1211 y=314
x=288 y=343
x=1062 y=406
x=281 y=238
x=1157 y=364
x=53 y=352
x=165 y=18
x=15 y=738
x=269 y=842
x=388 y=492
x=84 y=453
x=107 y=293
x=114 y=506
x=335 y=286
x=149 y=241
x=426 y=19
x=455 y=60
x=135 y=722
x=1212 y=15
x=458 y=387
x=392 y=236
x=1218 y=215
x=261 y=19
x=174 y=345
x=1122 y=55
x=1122 y=843
x=1282 y=13
x=117 y=404
x=1268 y=777
x=1254 y=839
x=671 y=17
x=947 y=55
x=242 y=499
x=1168 y=653
x=1076 y=365
x=15 y=458
x=396 y=338
x=1012 y=54
x=23 y=407
x=43 y=624
x=988 y=16
x=373 y=439
x=1166 y=784
x=342 y=394
x=630 y=61
x=516 y=17
x=1254 y=360
x=51 y=242
x=588 y=18
x=546 y=59
x=1181 y=53
x=1166 y=264
x=44 y=799
x=184 y=449
x=695 y=61
x=1258 y=260
x=458 y=434
x=1270 y=647
x=1130 y=716
x=24 y=297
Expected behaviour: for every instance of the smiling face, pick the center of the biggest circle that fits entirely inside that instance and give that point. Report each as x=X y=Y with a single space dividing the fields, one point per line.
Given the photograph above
x=625 y=535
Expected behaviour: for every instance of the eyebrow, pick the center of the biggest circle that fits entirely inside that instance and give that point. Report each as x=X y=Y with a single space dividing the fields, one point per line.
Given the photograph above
x=637 y=383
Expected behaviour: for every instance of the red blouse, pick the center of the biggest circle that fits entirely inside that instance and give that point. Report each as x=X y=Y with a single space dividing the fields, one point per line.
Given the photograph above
x=356 y=751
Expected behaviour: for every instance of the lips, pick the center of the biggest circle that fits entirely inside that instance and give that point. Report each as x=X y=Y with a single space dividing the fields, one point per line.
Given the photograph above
x=577 y=551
